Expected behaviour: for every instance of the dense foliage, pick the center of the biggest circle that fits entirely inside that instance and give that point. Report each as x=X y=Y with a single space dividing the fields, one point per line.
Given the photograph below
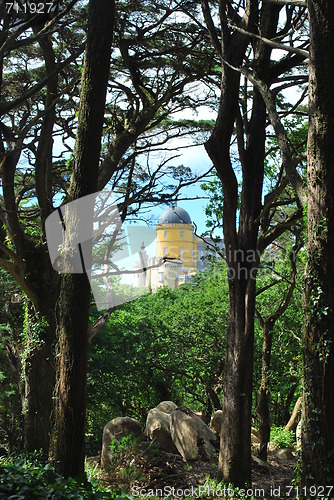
x=175 y=340
x=27 y=478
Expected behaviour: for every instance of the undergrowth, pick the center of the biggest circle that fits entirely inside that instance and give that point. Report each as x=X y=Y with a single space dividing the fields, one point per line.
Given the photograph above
x=23 y=478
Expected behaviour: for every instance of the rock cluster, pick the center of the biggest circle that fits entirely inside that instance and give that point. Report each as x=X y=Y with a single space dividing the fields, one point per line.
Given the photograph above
x=175 y=429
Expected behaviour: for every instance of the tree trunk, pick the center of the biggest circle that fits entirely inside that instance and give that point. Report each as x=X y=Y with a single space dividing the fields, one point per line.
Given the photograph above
x=292 y=424
x=39 y=379
x=285 y=414
x=267 y=326
x=242 y=254
x=263 y=406
x=73 y=303
x=72 y=312
x=235 y=447
x=318 y=336
x=38 y=362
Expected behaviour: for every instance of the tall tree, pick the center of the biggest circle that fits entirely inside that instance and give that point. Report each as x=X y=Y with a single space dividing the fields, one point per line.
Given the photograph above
x=247 y=35
x=73 y=302
x=318 y=339
x=23 y=253
x=267 y=325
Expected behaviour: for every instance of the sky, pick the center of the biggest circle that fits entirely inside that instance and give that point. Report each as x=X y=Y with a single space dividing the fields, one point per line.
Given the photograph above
x=197 y=159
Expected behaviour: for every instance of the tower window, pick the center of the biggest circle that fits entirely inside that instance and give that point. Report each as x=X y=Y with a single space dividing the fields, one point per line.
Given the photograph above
x=182 y=233
x=165 y=234
x=181 y=251
x=166 y=250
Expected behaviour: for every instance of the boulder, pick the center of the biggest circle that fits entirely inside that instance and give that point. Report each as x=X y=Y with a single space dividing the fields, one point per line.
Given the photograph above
x=255 y=436
x=116 y=429
x=167 y=406
x=158 y=428
x=261 y=463
x=199 y=414
x=211 y=441
x=283 y=454
x=216 y=421
x=184 y=433
x=256 y=433
x=191 y=436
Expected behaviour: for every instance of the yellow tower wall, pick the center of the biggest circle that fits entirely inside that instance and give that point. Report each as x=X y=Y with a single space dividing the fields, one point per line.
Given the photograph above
x=174 y=242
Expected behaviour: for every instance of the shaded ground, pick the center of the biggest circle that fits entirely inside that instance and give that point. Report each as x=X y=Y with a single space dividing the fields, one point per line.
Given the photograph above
x=151 y=472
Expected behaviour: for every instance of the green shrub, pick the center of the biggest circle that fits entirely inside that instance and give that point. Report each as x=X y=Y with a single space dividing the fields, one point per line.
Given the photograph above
x=281 y=438
x=129 y=443
x=26 y=479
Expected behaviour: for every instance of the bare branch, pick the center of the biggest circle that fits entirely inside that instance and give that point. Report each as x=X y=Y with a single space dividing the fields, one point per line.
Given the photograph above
x=293 y=3
x=283 y=142
x=271 y=43
x=211 y=27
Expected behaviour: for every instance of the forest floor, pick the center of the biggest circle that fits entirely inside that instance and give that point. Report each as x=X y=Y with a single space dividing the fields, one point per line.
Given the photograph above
x=164 y=475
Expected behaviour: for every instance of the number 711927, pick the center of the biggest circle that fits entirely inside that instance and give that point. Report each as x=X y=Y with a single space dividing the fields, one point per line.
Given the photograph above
x=29 y=7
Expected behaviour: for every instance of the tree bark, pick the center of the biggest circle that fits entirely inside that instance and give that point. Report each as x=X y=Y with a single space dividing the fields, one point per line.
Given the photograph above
x=292 y=424
x=241 y=244
x=263 y=406
x=73 y=303
x=318 y=335
x=39 y=376
x=243 y=260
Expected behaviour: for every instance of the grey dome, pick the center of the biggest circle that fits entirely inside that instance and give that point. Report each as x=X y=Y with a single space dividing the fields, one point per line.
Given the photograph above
x=175 y=215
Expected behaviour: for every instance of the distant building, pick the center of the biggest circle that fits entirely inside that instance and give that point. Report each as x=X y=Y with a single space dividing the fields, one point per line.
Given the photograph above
x=176 y=242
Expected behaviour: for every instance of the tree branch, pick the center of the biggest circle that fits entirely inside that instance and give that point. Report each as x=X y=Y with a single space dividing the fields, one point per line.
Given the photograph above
x=5 y=107
x=288 y=162
x=293 y=3
x=271 y=43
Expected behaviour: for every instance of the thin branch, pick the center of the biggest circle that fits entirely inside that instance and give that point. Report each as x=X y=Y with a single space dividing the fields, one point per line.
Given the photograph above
x=288 y=162
x=10 y=253
x=293 y=3
x=271 y=43
x=267 y=287
x=211 y=27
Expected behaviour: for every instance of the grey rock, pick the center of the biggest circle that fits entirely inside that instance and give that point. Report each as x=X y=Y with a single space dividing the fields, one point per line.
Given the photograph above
x=167 y=406
x=216 y=421
x=184 y=433
x=283 y=454
x=116 y=429
x=191 y=436
x=158 y=429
